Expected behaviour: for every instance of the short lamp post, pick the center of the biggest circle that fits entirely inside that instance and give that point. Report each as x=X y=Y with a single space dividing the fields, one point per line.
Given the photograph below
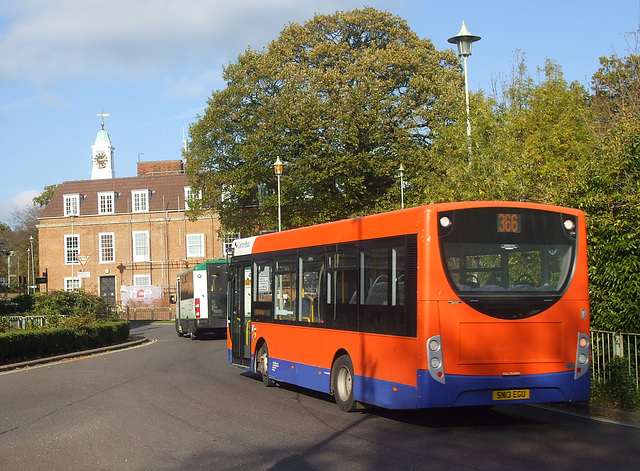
x=33 y=274
x=28 y=271
x=277 y=166
x=401 y=172
x=463 y=40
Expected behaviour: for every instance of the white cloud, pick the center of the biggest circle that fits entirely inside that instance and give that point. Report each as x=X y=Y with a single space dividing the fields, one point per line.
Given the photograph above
x=20 y=202
x=46 y=40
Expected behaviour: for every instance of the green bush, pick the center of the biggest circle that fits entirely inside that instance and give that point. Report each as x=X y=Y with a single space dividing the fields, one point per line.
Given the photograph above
x=70 y=308
x=20 y=345
x=620 y=390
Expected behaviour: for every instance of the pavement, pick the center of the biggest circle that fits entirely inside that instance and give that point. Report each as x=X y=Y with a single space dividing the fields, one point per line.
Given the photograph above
x=579 y=408
x=584 y=408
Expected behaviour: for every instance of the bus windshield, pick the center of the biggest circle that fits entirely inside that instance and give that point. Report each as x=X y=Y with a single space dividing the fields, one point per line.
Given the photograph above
x=505 y=262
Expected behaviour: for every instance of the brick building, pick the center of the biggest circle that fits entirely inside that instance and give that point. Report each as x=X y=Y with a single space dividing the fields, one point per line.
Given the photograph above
x=124 y=238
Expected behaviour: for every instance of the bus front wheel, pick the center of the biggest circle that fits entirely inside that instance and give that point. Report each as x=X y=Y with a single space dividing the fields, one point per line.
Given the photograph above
x=263 y=365
x=342 y=377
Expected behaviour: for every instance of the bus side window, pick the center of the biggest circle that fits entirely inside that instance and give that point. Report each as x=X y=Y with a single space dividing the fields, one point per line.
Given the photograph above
x=285 y=288
x=312 y=271
x=382 y=284
x=342 y=290
x=263 y=290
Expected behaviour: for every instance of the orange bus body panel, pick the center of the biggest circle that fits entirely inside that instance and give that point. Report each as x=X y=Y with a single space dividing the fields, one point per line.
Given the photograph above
x=473 y=344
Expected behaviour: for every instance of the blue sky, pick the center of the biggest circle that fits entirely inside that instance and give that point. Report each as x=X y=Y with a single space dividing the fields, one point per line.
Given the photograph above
x=152 y=64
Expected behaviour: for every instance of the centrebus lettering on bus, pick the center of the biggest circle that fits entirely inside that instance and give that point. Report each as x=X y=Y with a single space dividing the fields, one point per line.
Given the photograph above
x=455 y=304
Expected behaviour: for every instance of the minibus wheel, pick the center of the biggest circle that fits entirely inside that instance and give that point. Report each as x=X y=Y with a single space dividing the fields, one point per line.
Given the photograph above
x=342 y=377
x=263 y=365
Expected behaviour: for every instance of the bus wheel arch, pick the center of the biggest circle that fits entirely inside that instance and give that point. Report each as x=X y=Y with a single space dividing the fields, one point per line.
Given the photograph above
x=342 y=381
x=262 y=363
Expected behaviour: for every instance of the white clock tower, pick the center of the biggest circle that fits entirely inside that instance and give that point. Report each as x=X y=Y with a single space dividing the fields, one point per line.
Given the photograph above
x=102 y=155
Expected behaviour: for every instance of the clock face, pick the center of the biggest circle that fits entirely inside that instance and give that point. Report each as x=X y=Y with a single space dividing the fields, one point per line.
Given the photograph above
x=100 y=159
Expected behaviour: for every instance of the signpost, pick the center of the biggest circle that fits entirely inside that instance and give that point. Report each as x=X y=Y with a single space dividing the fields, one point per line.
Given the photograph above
x=83 y=259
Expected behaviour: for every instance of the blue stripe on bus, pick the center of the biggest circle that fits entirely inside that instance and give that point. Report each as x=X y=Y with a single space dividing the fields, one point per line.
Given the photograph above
x=478 y=390
x=458 y=390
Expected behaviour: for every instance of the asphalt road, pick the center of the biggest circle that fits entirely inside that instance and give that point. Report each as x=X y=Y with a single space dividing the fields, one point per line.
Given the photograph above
x=178 y=404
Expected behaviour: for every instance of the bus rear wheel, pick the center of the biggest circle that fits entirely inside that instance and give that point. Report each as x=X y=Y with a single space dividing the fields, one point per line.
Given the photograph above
x=343 y=377
x=263 y=365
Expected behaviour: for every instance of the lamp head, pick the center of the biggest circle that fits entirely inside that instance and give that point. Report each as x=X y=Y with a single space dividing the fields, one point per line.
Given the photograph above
x=463 y=40
x=277 y=166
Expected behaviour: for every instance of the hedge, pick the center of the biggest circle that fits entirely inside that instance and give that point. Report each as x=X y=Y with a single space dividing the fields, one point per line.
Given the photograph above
x=21 y=345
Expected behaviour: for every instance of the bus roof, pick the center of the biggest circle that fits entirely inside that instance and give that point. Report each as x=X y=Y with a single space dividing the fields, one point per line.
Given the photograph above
x=202 y=266
x=404 y=221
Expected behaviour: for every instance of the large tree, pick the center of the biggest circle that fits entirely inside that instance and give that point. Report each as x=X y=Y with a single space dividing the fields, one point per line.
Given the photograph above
x=342 y=100
x=611 y=196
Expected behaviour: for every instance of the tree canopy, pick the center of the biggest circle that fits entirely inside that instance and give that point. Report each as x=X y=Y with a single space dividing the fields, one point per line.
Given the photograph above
x=44 y=198
x=342 y=100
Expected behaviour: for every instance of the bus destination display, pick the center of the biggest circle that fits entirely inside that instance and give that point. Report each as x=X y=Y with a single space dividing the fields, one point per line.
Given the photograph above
x=509 y=223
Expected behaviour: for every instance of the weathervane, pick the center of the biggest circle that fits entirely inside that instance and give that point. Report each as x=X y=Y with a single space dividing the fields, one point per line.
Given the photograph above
x=102 y=115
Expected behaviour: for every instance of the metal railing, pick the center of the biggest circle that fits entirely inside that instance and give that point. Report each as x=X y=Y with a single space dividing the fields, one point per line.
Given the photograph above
x=24 y=322
x=607 y=345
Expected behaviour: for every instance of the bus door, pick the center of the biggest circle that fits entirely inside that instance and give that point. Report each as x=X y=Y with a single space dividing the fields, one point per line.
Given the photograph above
x=240 y=312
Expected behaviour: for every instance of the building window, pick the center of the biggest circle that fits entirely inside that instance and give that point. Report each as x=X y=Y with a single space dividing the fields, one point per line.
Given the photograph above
x=71 y=284
x=229 y=237
x=140 y=246
x=141 y=280
x=106 y=202
x=195 y=245
x=190 y=196
x=72 y=205
x=107 y=249
x=71 y=249
x=140 y=201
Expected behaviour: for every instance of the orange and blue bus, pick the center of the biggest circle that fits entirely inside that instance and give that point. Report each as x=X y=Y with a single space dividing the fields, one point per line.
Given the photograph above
x=453 y=304
x=201 y=304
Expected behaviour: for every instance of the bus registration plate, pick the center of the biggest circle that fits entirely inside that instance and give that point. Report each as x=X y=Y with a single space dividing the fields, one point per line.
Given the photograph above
x=510 y=394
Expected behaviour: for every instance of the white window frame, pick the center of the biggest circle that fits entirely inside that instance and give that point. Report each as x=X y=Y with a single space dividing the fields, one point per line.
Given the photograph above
x=189 y=196
x=195 y=245
x=140 y=201
x=142 y=280
x=106 y=242
x=229 y=237
x=109 y=199
x=72 y=204
x=139 y=256
x=71 y=258
x=71 y=283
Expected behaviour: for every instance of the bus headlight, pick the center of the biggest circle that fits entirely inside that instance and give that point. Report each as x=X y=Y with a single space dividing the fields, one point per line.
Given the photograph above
x=582 y=356
x=569 y=225
x=435 y=361
x=445 y=222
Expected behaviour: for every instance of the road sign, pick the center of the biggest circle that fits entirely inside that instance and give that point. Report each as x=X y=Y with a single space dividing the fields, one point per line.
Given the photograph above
x=84 y=274
x=83 y=259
